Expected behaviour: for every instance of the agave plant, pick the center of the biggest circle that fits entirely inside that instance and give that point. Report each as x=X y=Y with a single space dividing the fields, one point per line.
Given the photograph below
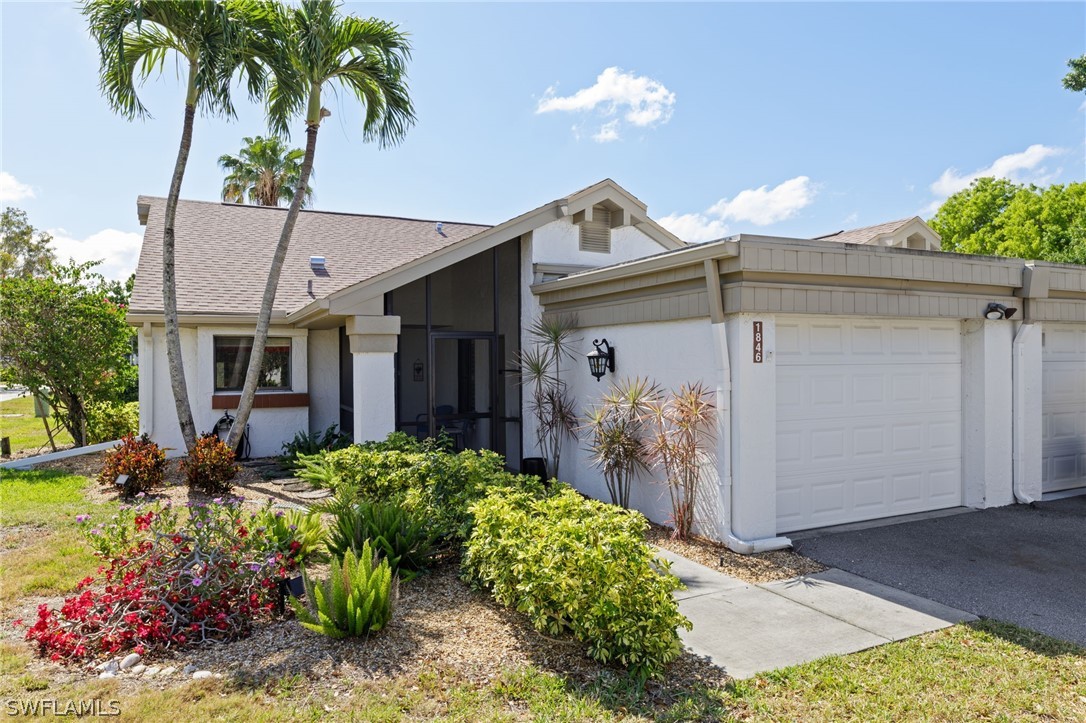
x=684 y=431
x=618 y=434
x=355 y=600
x=549 y=399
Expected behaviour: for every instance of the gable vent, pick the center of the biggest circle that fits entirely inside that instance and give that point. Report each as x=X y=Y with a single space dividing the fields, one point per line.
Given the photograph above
x=596 y=234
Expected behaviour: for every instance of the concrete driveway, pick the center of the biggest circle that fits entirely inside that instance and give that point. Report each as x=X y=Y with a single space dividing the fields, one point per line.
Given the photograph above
x=1020 y=564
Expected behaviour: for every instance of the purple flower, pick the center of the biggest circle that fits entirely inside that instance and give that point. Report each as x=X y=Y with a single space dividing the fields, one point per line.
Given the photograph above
x=96 y=531
x=278 y=513
x=141 y=495
x=293 y=528
x=82 y=518
x=254 y=567
x=217 y=500
x=199 y=525
x=197 y=581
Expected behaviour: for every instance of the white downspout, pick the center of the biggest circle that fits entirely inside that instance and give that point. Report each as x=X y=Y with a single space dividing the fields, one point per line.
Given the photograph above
x=147 y=390
x=724 y=424
x=1018 y=423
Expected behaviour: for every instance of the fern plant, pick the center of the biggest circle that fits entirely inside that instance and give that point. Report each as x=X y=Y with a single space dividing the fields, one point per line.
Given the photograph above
x=399 y=536
x=355 y=600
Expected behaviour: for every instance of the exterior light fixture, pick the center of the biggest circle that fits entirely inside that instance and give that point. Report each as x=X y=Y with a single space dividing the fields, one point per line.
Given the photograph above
x=998 y=311
x=601 y=359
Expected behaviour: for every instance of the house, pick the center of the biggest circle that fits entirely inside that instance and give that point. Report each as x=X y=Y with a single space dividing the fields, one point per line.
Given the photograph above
x=855 y=379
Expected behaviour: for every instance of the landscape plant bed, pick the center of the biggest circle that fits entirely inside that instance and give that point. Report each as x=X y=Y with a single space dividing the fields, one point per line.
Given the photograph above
x=440 y=624
x=762 y=567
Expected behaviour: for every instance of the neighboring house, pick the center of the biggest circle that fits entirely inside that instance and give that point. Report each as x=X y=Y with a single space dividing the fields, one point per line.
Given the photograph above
x=907 y=233
x=854 y=380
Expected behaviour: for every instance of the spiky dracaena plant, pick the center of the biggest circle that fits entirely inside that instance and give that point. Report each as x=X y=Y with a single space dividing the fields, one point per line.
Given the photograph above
x=618 y=434
x=683 y=436
x=549 y=399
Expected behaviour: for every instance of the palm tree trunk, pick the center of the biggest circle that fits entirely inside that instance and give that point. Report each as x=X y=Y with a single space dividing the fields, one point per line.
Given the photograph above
x=263 y=321
x=169 y=288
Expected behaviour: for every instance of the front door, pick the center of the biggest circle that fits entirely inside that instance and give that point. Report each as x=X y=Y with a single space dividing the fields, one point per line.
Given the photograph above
x=463 y=389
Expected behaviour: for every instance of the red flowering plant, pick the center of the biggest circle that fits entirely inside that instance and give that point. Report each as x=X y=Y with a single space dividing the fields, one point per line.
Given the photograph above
x=171 y=579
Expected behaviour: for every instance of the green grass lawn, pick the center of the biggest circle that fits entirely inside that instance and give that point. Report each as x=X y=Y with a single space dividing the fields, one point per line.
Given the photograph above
x=42 y=551
x=981 y=671
x=25 y=430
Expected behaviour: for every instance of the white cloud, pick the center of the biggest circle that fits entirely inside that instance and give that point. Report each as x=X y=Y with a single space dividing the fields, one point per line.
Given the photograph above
x=11 y=189
x=765 y=205
x=694 y=227
x=119 y=251
x=852 y=218
x=1024 y=167
x=759 y=206
x=642 y=101
x=608 y=132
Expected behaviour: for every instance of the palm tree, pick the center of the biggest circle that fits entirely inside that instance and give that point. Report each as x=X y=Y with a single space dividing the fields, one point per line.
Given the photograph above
x=135 y=37
x=314 y=46
x=263 y=173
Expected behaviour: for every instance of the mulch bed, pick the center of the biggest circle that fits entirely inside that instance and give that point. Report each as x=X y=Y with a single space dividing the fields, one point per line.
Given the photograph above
x=763 y=567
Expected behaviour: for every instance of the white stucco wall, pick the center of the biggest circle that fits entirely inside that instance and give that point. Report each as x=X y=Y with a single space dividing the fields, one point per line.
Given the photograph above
x=669 y=353
x=323 y=379
x=269 y=428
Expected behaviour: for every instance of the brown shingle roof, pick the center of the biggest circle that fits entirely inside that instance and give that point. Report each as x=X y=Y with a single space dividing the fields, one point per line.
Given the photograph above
x=224 y=252
x=864 y=234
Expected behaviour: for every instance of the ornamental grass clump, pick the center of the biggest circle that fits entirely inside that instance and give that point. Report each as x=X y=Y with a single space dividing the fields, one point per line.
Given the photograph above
x=355 y=600
x=618 y=433
x=210 y=466
x=170 y=579
x=138 y=457
x=581 y=567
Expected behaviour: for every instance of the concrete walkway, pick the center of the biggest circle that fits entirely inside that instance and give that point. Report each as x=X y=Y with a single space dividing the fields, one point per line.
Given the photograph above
x=750 y=628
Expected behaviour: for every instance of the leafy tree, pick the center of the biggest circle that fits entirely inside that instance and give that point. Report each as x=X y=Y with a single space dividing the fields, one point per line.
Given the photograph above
x=24 y=250
x=1076 y=79
x=65 y=339
x=312 y=46
x=135 y=38
x=997 y=217
x=263 y=173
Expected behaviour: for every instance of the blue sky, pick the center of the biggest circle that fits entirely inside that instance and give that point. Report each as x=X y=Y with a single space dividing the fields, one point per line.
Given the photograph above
x=790 y=119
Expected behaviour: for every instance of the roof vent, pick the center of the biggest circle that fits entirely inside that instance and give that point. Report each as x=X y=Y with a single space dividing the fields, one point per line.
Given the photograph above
x=439 y=227
x=316 y=263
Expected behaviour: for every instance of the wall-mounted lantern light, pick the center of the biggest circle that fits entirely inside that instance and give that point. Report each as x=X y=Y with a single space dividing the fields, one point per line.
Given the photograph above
x=602 y=359
x=998 y=311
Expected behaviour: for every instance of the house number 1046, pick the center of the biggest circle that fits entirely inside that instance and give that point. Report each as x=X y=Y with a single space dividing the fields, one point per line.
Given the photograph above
x=758 y=341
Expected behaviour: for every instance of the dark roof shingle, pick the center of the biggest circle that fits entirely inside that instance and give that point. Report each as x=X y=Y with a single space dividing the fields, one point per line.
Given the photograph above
x=224 y=252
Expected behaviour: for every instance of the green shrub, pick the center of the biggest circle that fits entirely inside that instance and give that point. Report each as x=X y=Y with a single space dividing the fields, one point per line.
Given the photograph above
x=107 y=421
x=398 y=535
x=579 y=566
x=138 y=457
x=435 y=484
x=298 y=534
x=210 y=466
x=355 y=600
x=310 y=443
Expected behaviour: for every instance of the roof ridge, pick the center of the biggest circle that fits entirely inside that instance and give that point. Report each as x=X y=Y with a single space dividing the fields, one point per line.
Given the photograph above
x=317 y=210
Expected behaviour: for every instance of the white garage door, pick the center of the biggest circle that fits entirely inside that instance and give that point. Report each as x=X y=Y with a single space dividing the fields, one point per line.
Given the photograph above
x=868 y=419
x=1063 y=406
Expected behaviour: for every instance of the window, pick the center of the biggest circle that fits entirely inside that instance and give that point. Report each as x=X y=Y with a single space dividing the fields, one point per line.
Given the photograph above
x=596 y=234
x=232 y=355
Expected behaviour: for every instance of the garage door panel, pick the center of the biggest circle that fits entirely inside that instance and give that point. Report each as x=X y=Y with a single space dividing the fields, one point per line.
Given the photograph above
x=868 y=419
x=1063 y=407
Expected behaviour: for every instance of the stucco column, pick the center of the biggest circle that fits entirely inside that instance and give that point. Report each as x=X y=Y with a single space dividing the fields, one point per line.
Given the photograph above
x=373 y=347
x=753 y=427
x=1028 y=378
x=987 y=413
